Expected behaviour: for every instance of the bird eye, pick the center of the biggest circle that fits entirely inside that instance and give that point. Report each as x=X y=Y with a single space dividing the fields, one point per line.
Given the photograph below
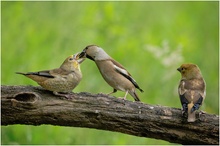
x=70 y=59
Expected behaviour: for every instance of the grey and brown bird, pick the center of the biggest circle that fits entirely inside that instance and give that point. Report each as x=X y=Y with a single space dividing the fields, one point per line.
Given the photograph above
x=112 y=71
x=192 y=89
x=61 y=80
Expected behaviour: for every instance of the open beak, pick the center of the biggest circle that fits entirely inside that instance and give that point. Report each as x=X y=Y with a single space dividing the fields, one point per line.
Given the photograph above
x=78 y=58
x=82 y=54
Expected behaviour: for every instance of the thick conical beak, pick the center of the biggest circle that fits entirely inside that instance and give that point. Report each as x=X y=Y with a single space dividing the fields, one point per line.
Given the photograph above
x=82 y=54
x=78 y=58
x=179 y=69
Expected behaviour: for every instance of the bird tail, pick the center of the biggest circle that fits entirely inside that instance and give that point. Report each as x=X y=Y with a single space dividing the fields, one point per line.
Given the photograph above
x=191 y=115
x=37 y=76
x=134 y=95
x=20 y=73
x=141 y=90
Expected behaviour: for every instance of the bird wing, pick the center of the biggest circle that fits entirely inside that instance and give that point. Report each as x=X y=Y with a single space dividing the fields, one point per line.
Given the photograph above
x=59 y=72
x=191 y=91
x=183 y=99
x=120 y=69
x=39 y=76
x=181 y=88
x=45 y=73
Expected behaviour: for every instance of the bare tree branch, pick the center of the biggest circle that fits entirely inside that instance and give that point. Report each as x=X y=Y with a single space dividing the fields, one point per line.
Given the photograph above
x=35 y=106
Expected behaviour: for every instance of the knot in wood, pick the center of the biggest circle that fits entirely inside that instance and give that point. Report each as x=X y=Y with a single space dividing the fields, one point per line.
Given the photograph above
x=26 y=97
x=25 y=100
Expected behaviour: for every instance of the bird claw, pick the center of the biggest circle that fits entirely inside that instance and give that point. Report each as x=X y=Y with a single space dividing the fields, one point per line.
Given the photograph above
x=67 y=96
x=123 y=98
x=183 y=112
x=201 y=112
x=109 y=93
x=102 y=93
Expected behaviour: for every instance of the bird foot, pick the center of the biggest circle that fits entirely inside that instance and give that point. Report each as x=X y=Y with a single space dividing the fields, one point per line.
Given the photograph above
x=123 y=98
x=114 y=90
x=67 y=96
x=182 y=112
x=201 y=112
x=109 y=93
x=102 y=93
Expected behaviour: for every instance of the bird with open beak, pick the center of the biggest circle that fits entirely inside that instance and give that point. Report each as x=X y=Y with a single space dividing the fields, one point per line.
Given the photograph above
x=192 y=89
x=112 y=71
x=63 y=79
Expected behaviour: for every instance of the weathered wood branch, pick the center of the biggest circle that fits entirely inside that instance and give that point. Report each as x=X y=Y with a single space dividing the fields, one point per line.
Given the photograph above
x=35 y=106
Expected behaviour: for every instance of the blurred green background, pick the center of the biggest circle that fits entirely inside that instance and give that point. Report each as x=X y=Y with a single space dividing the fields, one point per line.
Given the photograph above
x=151 y=40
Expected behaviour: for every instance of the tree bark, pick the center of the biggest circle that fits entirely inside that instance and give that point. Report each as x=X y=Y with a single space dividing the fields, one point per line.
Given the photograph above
x=35 y=106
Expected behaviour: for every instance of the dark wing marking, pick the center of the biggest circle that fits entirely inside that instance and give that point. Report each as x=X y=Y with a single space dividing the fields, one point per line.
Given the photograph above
x=184 y=102
x=45 y=73
x=197 y=104
x=119 y=65
x=189 y=93
x=126 y=74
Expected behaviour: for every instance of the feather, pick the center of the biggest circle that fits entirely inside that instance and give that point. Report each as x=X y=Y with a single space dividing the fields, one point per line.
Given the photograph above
x=127 y=75
x=45 y=73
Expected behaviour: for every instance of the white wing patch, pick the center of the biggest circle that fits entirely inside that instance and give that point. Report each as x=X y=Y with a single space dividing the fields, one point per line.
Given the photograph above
x=123 y=71
x=182 y=89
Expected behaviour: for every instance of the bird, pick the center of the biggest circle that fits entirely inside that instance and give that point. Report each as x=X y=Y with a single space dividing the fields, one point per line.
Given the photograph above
x=63 y=79
x=192 y=89
x=112 y=71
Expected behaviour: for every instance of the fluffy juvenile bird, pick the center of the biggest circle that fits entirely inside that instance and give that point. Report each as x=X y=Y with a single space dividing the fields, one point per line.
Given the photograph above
x=113 y=72
x=63 y=79
x=192 y=89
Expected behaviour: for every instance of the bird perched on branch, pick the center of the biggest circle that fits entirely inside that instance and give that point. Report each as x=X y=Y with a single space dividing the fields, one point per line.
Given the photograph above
x=63 y=79
x=113 y=72
x=192 y=89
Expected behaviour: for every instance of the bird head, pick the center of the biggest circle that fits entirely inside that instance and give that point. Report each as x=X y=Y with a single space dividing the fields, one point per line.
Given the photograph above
x=189 y=71
x=71 y=63
x=94 y=53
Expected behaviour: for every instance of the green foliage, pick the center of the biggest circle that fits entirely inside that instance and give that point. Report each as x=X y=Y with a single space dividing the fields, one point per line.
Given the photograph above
x=151 y=39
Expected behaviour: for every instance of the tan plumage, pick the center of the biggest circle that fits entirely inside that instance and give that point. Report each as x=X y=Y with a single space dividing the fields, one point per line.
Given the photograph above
x=63 y=79
x=192 y=89
x=112 y=72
